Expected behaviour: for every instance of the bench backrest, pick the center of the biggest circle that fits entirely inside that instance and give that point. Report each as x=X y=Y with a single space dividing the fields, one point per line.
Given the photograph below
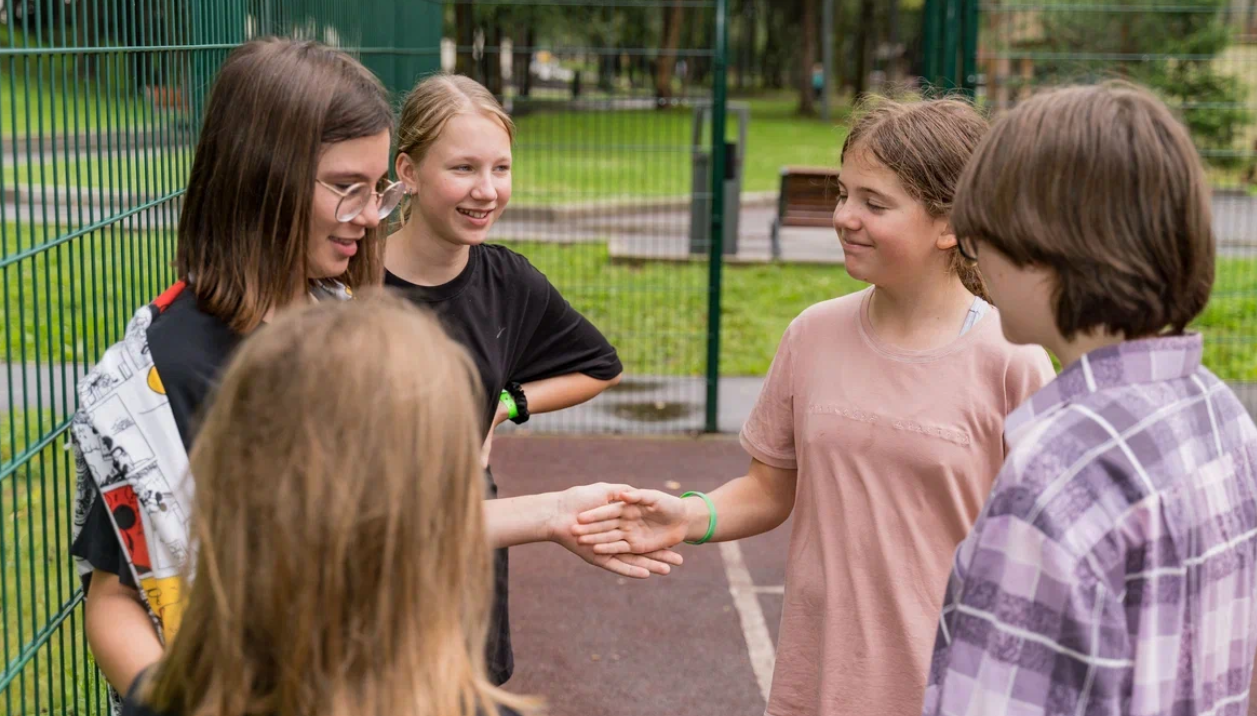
x=809 y=195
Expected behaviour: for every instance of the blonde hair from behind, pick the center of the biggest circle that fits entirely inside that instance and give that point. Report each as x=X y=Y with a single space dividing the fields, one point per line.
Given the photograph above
x=342 y=565
x=926 y=143
x=432 y=103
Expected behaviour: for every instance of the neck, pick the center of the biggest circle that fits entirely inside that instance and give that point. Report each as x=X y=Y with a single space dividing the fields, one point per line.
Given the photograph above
x=302 y=293
x=417 y=256
x=922 y=315
x=1069 y=352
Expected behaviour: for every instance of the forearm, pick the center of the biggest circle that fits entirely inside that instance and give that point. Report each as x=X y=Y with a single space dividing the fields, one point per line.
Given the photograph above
x=750 y=505
x=564 y=391
x=514 y=521
x=119 y=631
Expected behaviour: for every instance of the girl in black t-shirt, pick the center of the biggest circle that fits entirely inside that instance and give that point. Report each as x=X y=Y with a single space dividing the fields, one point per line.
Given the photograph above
x=534 y=352
x=354 y=579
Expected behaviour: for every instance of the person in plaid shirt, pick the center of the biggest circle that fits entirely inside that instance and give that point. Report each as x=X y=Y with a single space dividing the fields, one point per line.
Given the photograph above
x=1113 y=569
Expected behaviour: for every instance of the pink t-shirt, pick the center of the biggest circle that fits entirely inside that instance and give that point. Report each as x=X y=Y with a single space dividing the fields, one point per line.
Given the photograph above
x=896 y=451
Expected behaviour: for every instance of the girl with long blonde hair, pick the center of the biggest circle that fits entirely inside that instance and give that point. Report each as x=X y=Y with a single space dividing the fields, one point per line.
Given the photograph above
x=534 y=352
x=342 y=560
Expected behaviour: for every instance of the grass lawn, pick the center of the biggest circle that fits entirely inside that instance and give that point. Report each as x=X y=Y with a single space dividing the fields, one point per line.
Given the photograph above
x=38 y=579
x=656 y=313
x=67 y=304
x=44 y=94
x=70 y=302
x=563 y=157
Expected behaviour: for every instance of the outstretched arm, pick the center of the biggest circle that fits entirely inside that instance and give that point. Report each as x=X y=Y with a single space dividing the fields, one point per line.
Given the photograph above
x=649 y=520
x=549 y=517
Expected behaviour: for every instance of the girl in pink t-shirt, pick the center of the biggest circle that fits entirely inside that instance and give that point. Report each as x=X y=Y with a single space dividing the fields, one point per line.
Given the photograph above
x=879 y=427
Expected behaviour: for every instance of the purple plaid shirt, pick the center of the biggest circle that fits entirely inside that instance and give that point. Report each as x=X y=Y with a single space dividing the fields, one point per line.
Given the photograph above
x=1113 y=569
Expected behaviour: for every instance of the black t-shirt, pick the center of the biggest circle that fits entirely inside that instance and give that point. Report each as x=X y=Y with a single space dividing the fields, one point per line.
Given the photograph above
x=514 y=323
x=189 y=348
x=517 y=328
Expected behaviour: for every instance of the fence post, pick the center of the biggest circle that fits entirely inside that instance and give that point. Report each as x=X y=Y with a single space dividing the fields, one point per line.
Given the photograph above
x=930 y=40
x=969 y=66
x=951 y=42
x=715 y=260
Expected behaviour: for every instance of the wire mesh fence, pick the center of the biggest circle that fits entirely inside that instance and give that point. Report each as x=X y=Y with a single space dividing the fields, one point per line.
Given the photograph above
x=1200 y=56
x=609 y=179
x=98 y=116
x=99 y=110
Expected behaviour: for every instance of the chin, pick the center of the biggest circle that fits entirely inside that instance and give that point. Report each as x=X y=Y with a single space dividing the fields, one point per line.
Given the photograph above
x=327 y=270
x=858 y=273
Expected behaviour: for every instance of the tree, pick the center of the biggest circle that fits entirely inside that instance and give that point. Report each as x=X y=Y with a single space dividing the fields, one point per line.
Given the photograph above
x=807 y=58
x=1173 y=51
x=667 y=57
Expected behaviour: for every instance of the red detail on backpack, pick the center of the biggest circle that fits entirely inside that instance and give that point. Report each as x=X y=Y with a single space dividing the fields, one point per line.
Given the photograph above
x=125 y=508
x=169 y=295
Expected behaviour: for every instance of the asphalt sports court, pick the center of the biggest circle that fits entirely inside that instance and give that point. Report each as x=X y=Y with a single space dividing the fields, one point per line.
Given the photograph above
x=698 y=642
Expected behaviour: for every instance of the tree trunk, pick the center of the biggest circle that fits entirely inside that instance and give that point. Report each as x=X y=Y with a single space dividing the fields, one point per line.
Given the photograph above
x=807 y=58
x=522 y=65
x=493 y=60
x=667 y=59
x=464 y=36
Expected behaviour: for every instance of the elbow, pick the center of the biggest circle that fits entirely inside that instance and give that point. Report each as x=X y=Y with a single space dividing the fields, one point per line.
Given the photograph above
x=614 y=381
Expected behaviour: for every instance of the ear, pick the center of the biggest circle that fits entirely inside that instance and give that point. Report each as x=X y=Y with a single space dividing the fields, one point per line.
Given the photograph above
x=407 y=172
x=946 y=239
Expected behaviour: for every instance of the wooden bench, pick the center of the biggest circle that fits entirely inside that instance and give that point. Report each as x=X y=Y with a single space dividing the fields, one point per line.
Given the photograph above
x=808 y=197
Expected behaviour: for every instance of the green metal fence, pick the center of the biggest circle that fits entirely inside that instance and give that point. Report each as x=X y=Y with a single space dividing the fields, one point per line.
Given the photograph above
x=607 y=180
x=1199 y=55
x=99 y=108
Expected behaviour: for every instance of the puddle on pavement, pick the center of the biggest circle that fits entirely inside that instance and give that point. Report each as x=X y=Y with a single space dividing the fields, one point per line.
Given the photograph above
x=636 y=386
x=651 y=411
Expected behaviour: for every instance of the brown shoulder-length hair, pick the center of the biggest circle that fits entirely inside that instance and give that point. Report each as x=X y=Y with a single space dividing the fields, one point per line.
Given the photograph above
x=342 y=565
x=245 y=224
x=1103 y=185
x=926 y=144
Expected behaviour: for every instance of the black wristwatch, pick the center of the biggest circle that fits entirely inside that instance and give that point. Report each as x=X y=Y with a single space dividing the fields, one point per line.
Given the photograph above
x=520 y=414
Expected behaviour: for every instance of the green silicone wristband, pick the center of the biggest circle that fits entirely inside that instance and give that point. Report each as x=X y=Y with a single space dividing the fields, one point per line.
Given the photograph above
x=711 y=516
x=512 y=410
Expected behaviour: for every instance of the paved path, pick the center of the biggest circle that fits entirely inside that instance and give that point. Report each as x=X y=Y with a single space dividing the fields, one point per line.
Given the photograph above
x=699 y=642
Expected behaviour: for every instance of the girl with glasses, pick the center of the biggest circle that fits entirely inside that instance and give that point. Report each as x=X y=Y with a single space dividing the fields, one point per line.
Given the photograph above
x=283 y=208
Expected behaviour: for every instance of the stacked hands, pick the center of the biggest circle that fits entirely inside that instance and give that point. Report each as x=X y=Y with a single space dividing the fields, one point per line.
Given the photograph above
x=623 y=529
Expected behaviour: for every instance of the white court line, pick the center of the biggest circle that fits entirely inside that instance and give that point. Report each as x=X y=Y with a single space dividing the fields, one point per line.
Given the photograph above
x=770 y=589
x=759 y=645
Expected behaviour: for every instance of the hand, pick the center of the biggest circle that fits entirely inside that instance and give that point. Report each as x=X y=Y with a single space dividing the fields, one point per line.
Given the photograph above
x=642 y=521
x=562 y=530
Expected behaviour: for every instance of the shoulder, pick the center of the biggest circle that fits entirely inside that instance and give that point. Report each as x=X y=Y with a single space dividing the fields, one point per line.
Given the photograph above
x=187 y=343
x=990 y=336
x=823 y=317
x=1059 y=478
x=499 y=261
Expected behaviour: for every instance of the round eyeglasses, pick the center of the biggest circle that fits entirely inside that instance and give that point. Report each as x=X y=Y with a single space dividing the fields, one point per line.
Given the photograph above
x=354 y=198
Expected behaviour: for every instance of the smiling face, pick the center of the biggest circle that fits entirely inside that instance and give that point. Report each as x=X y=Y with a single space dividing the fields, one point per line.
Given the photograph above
x=888 y=237
x=333 y=243
x=463 y=182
